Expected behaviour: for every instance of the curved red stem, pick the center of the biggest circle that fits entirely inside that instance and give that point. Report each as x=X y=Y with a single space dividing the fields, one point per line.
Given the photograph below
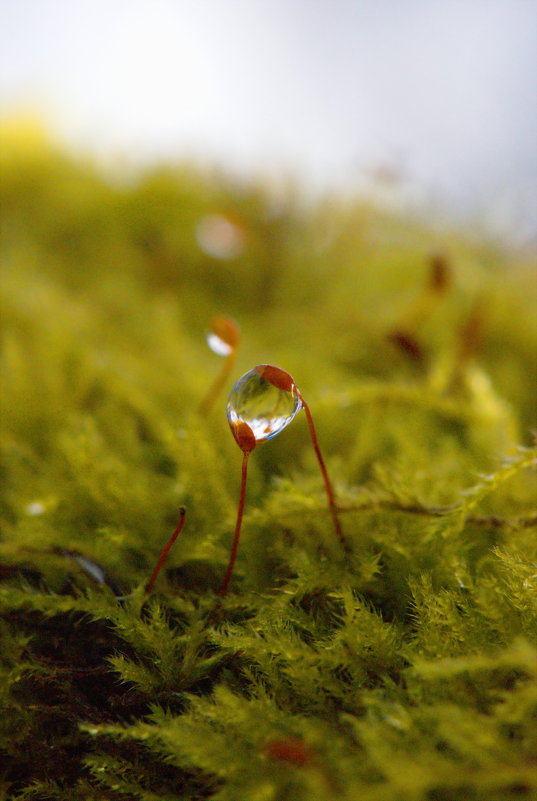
x=227 y=578
x=329 y=490
x=165 y=551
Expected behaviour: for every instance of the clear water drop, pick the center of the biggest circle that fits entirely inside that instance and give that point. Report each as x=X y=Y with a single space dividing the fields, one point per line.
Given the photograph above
x=264 y=406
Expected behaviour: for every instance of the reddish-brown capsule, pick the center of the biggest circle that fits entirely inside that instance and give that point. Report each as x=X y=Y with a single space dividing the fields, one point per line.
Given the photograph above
x=291 y=750
x=244 y=436
x=277 y=377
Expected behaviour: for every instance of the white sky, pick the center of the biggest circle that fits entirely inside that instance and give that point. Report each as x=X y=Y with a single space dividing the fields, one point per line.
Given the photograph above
x=446 y=90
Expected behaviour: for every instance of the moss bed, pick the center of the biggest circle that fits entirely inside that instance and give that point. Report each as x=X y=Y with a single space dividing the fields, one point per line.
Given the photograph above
x=403 y=671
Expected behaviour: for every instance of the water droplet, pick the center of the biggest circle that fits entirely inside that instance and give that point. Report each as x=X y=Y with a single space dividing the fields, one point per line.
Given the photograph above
x=218 y=345
x=35 y=508
x=91 y=568
x=219 y=237
x=267 y=406
x=223 y=338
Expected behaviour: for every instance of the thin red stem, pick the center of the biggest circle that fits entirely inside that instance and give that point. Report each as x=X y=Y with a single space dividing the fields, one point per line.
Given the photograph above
x=329 y=490
x=216 y=387
x=227 y=578
x=165 y=551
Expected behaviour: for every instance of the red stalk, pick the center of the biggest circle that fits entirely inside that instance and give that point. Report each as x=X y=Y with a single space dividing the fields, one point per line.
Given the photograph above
x=329 y=489
x=227 y=578
x=165 y=551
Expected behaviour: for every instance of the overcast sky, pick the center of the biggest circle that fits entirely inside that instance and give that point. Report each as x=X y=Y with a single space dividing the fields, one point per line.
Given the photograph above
x=442 y=90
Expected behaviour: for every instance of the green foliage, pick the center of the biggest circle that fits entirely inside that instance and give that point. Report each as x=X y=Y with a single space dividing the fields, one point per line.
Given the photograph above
x=405 y=671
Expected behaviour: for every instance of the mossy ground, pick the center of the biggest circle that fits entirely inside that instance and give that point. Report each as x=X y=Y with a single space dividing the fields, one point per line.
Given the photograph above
x=406 y=672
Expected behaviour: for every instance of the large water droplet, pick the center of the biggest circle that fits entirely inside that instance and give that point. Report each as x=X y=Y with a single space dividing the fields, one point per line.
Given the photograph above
x=266 y=407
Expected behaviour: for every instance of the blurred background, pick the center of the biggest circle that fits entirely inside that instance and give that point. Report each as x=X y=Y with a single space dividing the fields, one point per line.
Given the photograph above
x=425 y=103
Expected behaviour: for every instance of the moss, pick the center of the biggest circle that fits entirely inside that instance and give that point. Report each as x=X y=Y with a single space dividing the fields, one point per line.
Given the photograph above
x=405 y=671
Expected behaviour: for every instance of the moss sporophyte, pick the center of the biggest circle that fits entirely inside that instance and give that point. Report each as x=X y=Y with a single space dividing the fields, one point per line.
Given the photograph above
x=223 y=339
x=261 y=404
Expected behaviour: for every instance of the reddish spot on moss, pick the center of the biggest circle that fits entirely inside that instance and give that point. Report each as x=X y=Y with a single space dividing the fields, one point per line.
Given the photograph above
x=291 y=750
x=440 y=273
x=471 y=333
x=408 y=344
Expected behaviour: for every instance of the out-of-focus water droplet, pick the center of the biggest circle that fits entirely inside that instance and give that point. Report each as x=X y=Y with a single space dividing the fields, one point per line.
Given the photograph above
x=224 y=336
x=219 y=237
x=91 y=568
x=218 y=345
x=35 y=508
x=266 y=407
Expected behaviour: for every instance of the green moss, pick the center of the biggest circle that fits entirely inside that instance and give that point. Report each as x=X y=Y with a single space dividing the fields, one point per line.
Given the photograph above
x=404 y=672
